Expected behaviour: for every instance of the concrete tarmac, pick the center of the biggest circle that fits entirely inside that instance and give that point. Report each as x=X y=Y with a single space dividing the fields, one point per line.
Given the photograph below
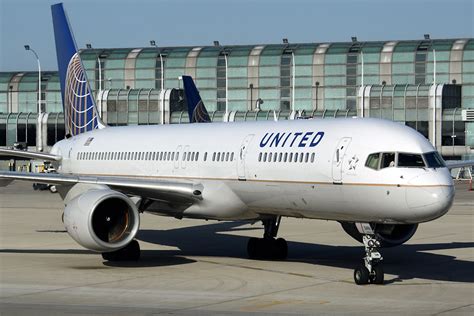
x=196 y=267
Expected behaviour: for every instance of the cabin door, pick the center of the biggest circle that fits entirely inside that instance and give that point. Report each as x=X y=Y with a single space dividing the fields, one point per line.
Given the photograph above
x=241 y=157
x=338 y=159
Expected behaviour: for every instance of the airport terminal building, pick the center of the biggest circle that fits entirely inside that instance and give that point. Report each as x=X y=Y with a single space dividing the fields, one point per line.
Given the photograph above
x=426 y=84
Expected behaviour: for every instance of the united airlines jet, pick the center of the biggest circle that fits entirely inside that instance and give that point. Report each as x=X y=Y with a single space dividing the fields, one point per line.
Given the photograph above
x=378 y=178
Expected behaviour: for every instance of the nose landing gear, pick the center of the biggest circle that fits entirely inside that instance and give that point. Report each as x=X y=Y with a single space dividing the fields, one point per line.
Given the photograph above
x=371 y=271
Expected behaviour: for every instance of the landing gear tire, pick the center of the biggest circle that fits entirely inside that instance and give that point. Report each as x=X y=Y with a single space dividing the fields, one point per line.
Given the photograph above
x=267 y=248
x=377 y=275
x=282 y=248
x=252 y=247
x=130 y=252
x=361 y=275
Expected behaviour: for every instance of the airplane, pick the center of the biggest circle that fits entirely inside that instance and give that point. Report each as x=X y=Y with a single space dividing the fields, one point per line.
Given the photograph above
x=378 y=178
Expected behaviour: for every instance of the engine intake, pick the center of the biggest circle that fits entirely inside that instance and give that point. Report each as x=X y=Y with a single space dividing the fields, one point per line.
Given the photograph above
x=102 y=220
x=388 y=234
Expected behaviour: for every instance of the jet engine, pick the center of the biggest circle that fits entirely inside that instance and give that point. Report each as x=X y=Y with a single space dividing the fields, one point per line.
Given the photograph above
x=388 y=234
x=102 y=220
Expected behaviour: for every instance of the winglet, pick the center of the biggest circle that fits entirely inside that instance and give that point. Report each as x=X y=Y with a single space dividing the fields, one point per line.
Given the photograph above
x=196 y=109
x=80 y=111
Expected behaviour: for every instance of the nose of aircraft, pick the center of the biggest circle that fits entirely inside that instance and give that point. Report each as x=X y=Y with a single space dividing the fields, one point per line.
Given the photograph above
x=430 y=195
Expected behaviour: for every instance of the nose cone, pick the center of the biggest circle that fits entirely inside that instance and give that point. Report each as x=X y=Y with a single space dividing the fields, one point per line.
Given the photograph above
x=430 y=195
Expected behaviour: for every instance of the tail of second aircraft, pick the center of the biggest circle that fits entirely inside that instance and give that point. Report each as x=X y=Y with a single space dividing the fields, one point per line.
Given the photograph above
x=196 y=109
x=80 y=111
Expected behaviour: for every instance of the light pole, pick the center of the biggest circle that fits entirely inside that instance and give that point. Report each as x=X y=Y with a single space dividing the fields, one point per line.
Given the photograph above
x=27 y=47
x=226 y=88
x=153 y=43
x=293 y=81
x=293 y=66
x=39 y=134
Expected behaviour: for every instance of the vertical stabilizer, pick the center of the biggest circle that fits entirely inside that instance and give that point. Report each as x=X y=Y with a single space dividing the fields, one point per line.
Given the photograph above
x=80 y=111
x=196 y=109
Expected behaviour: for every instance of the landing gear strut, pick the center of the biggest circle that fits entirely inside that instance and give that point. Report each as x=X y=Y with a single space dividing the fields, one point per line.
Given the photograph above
x=268 y=247
x=371 y=271
x=130 y=252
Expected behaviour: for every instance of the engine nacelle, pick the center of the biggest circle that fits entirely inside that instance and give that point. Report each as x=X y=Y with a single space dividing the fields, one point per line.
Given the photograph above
x=102 y=220
x=389 y=235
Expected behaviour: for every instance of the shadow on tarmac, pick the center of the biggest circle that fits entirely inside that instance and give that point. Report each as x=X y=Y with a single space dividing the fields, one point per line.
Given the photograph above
x=408 y=261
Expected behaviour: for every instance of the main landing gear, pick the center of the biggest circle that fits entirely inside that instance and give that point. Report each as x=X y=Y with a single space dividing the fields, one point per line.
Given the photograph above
x=268 y=247
x=130 y=252
x=372 y=270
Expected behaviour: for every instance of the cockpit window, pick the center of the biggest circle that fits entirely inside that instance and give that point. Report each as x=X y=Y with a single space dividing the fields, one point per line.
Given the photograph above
x=434 y=160
x=410 y=160
x=388 y=160
x=373 y=161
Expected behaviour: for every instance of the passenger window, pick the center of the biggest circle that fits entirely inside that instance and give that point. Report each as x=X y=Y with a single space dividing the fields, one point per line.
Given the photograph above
x=205 y=156
x=312 y=157
x=373 y=161
x=290 y=159
x=275 y=156
x=285 y=157
x=306 y=158
x=232 y=157
x=280 y=157
x=270 y=155
x=410 y=161
x=265 y=157
x=388 y=160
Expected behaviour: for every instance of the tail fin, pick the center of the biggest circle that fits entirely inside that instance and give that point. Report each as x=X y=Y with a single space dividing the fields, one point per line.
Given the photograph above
x=80 y=112
x=196 y=109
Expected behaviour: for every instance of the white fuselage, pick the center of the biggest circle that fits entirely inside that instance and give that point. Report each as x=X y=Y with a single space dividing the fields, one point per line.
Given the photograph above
x=302 y=168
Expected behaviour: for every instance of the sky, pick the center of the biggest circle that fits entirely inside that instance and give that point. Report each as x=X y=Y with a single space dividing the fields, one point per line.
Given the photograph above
x=133 y=23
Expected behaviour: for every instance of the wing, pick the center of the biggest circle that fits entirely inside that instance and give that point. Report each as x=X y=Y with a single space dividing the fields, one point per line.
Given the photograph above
x=459 y=164
x=29 y=154
x=162 y=190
